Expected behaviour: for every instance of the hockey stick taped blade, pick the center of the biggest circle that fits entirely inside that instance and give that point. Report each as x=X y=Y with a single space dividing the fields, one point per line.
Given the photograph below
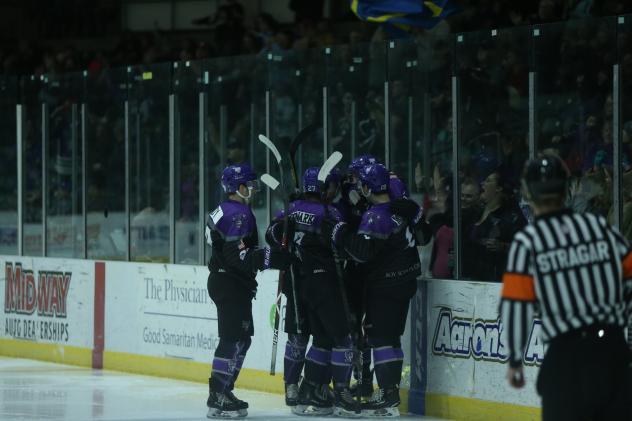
x=270 y=181
x=270 y=146
x=329 y=165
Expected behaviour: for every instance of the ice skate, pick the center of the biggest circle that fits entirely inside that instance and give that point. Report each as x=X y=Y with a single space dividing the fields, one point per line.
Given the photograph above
x=221 y=405
x=238 y=402
x=344 y=404
x=383 y=403
x=291 y=394
x=366 y=390
x=313 y=399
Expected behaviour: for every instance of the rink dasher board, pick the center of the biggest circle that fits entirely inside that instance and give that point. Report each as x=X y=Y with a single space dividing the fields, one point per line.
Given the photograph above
x=465 y=354
x=173 y=315
x=48 y=302
x=145 y=318
x=158 y=319
x=149 y=310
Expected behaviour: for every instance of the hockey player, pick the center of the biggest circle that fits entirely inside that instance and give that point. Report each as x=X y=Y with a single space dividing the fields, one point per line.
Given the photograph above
x=231 y=231
x=353 y=208
x=331 y=355
x=384 y=247
x=296 y=345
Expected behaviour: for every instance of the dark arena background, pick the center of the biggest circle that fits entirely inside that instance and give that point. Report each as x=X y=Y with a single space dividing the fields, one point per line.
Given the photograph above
x=117 y=118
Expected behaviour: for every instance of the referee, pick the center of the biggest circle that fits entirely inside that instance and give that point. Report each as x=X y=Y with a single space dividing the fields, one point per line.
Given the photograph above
x=575 y=272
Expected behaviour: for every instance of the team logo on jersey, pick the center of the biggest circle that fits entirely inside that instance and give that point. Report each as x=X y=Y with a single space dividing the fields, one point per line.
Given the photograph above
x=217 y=214
x=304 y=218
x=481 y=339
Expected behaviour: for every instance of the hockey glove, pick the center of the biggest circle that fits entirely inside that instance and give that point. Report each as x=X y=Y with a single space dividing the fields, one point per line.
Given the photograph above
x=277 y=259
x=331 y=230
x=274 y=233
x=407 y=209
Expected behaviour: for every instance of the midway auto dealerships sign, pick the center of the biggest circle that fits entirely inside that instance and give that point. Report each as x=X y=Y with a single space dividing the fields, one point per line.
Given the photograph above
x=47 y=300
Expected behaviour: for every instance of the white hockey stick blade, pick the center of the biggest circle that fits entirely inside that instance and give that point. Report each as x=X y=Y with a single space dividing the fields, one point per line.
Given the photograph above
x=270 y=146
x=329 y=165
x=270 y=181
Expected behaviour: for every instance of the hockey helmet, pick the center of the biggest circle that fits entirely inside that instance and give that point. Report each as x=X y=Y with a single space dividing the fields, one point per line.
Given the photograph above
x=310 y=180
x=237 y=174
x=360 y=162
x=375 y=177
x=544 y=177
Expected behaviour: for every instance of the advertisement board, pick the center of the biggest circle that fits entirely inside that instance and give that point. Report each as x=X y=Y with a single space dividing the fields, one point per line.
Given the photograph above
x=47 y=300
x=165 y=311
x=466 y=354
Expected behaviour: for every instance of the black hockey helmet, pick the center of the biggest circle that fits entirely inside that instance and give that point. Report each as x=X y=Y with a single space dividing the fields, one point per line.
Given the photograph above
x=544 y=177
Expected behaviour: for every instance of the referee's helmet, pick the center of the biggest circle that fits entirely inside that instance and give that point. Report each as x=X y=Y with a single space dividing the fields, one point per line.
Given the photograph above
x=544 y=178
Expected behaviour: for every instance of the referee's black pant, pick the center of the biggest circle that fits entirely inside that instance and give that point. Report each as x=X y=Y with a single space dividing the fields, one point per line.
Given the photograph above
x=585 y=376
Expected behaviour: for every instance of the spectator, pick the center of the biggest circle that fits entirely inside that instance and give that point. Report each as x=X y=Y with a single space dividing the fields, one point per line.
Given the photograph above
x=494 y=231
x=471 y=211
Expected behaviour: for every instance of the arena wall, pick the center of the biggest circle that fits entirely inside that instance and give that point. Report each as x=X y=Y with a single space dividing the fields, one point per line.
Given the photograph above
x=157 y=319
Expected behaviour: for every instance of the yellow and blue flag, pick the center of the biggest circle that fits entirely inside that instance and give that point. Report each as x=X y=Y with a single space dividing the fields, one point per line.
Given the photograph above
x=404 y=13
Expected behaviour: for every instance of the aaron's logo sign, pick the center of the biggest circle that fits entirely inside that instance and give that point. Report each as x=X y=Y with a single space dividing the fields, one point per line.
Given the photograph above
x=480 y=339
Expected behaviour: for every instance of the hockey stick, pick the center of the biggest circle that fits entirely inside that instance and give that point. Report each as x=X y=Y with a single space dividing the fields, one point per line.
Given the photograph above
x=296 y=142
x=284 y=244
x=270 y=181
x=325 y=170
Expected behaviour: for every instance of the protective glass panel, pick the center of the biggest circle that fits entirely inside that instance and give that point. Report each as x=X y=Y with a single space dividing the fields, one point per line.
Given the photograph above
x=105 y=163
x=573 y=64
x=150 y=87
x=493 y=72
x=33 y=92
x=8 y=171
x=64 y=214
x=188 y=79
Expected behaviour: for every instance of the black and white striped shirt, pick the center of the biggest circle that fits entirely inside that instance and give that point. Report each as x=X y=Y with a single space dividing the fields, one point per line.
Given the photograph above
x=574 y=269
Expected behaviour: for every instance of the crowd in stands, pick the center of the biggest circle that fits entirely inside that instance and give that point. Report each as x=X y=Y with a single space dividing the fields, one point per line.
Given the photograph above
x=230 y=32
x=572 y=62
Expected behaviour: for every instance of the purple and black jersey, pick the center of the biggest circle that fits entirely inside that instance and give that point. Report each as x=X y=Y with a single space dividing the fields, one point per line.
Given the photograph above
x=384 y=246
x=231 y=231
x=307 y=216
x=397 y=188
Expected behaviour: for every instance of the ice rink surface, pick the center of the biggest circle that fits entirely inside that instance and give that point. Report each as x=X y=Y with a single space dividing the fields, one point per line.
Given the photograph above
x=35 y=390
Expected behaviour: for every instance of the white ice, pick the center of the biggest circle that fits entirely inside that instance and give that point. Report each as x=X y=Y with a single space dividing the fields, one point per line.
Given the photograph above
x=35 y=390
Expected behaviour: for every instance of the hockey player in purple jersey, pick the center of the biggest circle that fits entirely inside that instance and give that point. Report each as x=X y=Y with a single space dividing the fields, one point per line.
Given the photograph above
x=231 y=232
x=331 y=353
x=352 y=206
x=384 y=248
x=396 y=187
x=296 y=345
